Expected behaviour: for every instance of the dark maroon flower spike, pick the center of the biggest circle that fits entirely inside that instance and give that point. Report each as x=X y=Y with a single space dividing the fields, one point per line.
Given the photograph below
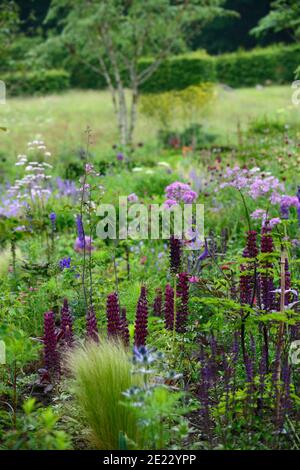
x=169 y=307
x=114 y=325
x=246 y=286
x=67 y=324
x=175 y=255
x=51 y=356
x=266 y=277
x=287 y=283
x=141 y=320
x=91 y=325
x=247 y=274
x=182 y=304
x=157 y=304
x=251 y=250
x=125 y=329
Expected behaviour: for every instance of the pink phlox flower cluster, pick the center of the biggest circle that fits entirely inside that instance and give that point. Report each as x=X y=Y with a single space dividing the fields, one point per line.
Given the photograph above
x=180 y=192
x=254 y=183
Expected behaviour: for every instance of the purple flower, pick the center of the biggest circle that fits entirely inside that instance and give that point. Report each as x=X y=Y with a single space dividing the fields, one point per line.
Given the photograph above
x=157 y=304
x=169 y=307
x=67 y=323
x=274 y=221
x=205 y=253
x=65 y=263
x=67 y=188
x=251 y=250
x=51 y=356
x=52 y=218
x=175 y=255
x=120 y=157
x=132 y=197
x=141 y=320
x=183 y=299
x=91 y=325
x=286 y=203
x=169 y=203
x=266 y=278
x=80 y=230
x=86 y=245
x=180 y=192
x=189 y=197
x=114 y=324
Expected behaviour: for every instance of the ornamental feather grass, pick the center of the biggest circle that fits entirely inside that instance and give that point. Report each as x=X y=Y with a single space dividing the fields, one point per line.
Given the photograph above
x=102 y=372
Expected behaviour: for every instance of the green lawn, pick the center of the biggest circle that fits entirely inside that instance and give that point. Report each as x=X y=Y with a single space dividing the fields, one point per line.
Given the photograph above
x=61 y=120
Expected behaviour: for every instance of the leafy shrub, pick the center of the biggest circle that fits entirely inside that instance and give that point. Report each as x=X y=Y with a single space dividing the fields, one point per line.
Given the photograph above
x=193 y=135
x=187 y=104
x=275 y=64
x=266 y=125
x=36 y=430
x=102 y=372
x=37 y=82
x=180 y=72
x=152 y=184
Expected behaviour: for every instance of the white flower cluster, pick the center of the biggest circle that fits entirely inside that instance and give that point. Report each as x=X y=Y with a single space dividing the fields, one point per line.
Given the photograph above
x=33 y=186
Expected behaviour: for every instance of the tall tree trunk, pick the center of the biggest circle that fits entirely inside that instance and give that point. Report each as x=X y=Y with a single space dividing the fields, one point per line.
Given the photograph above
x=122 y=116
x=133 y=112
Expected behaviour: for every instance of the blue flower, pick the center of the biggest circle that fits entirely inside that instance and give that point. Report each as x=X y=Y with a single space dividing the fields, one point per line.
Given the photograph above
x=65 y=263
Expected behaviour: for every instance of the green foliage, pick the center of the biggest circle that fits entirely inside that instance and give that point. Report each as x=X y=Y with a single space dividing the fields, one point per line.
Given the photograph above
x=187 y=104
x=36 y=430
x=9 y=24
x=260 y=66
x=102 y=372
x=37 y=82
x=284 y=16
x=180 y=72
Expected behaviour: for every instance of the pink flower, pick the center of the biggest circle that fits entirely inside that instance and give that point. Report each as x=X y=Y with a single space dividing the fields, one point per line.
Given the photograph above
x=132 y=197
x=79 y=245
x=194 y=279
x=274 y=221
x=258 y=214
x=169 y=203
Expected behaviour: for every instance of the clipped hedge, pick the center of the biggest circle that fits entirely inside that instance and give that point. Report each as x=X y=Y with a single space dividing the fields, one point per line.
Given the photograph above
x=36 y=83
x=275 y=64
x=180 y=72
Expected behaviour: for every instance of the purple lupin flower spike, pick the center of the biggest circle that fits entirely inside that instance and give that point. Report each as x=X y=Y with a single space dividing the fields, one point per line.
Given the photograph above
x=51 y=356
x=251 y=250
x=67 y=323
x=236 y=346
x=266 y=278
x=91 y=325
x=80 y=231
x=175 y=255
x=183 y=299
x=114 y=326
x=262 y=370
x=246 y=282
x=169 y=307
x=203 y=393
x=157 y=304
x=287 y=297
x=125 y=329
x=141 y=320
x=246 y=278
